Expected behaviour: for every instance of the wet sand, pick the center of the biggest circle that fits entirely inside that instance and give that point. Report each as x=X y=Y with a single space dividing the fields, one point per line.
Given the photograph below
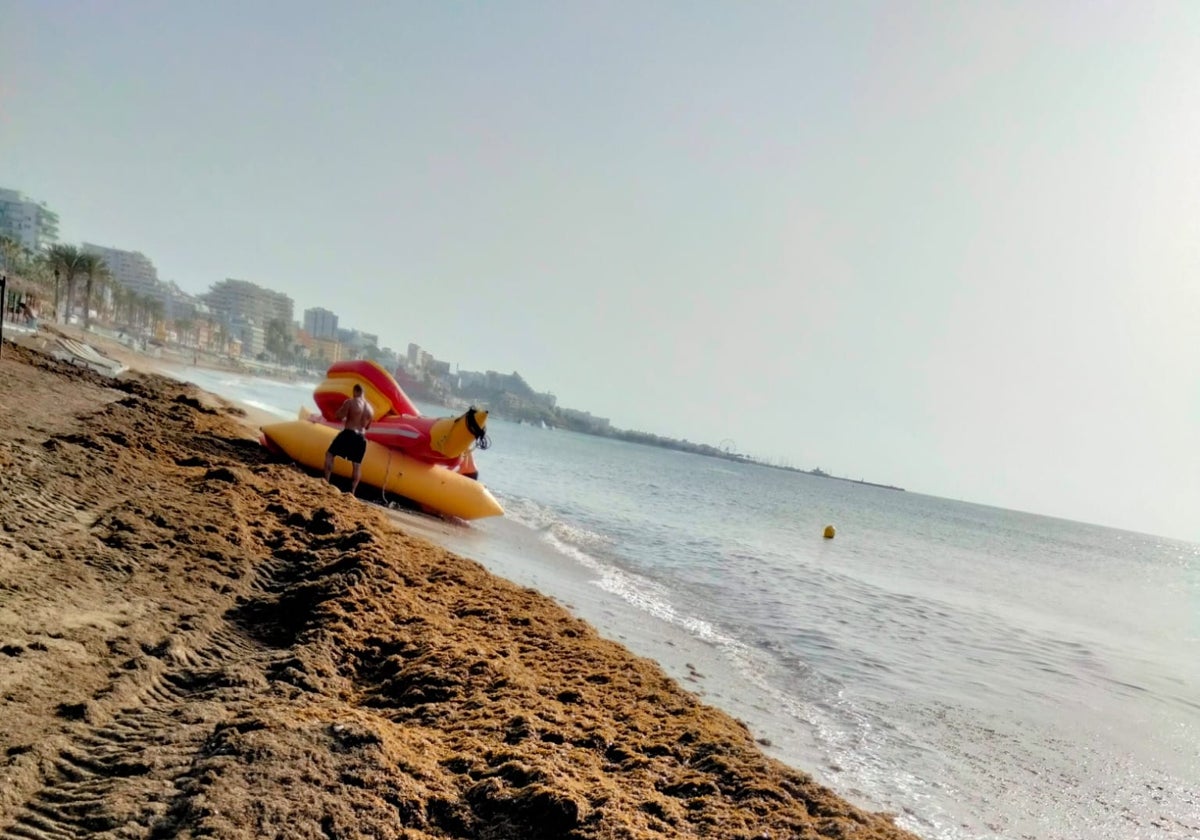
x=198 y=641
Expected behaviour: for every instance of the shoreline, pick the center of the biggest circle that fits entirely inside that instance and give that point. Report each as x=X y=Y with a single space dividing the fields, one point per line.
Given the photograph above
x=177 y=358
x=663 y=643
x=214 y=642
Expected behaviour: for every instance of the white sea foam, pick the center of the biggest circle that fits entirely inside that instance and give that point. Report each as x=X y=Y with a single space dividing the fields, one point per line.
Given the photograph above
x=272 y=409
x=583 y=546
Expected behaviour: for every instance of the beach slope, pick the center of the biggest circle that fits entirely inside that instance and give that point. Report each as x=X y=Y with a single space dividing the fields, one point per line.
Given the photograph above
x=196 y=641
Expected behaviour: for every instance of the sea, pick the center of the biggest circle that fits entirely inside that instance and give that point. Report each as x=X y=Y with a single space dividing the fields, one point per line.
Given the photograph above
x=977 y=672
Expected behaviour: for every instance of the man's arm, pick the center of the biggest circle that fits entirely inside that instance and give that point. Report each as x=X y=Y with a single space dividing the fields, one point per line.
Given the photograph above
x=341 y=412
x=370 y=418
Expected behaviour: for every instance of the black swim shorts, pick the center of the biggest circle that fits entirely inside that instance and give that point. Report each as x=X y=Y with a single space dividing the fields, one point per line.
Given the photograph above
x=349 y=445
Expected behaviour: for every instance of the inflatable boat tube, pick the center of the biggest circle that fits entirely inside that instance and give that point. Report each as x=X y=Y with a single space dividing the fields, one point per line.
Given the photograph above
x=432 y=486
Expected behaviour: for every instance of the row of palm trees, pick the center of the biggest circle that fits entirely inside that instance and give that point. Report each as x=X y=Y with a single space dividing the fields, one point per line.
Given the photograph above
x=70 y=265
x=61 y=271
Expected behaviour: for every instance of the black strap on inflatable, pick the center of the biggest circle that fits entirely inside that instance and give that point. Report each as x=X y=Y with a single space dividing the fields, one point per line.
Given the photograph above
x=481 y=438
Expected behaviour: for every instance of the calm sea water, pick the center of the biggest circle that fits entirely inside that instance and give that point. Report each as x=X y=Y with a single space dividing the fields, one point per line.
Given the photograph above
x=979 y=672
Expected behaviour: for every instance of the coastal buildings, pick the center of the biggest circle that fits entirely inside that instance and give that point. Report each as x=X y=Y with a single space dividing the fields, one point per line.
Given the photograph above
x=136 y=272
x=324 y=351
x=586 y=421
x=327 y=349
x=132 y=269
x=323 y=341
x=32 y=224
x=234 y=301
x=421 y=362
x=247 y=311
x=357 y=341
x=178 y=304
x=510 y=394
x=321 y=323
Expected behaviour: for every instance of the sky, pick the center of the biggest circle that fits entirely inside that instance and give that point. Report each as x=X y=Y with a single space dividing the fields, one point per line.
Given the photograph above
x=951 y=247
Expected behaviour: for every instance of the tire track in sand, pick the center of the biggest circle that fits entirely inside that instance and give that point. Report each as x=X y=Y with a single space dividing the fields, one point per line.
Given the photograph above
x=123 y=774
x=120 y=762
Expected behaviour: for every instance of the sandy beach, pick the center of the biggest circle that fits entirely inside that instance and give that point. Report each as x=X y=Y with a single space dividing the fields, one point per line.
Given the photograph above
x=198 y=641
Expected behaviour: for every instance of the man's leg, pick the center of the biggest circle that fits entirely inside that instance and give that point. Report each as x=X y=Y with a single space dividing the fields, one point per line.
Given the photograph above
x=357 y=475
x=328 y=464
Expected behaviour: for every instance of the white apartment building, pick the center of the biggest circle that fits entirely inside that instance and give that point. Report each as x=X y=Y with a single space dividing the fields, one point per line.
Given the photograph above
x=132 y=269
x=234 y=301
x=26 y=221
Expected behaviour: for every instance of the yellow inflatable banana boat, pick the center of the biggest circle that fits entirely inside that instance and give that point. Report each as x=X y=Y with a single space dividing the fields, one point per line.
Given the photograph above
x=432 y=486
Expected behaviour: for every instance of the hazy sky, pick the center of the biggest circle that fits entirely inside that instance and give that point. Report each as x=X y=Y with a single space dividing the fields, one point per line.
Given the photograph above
x=954 y=247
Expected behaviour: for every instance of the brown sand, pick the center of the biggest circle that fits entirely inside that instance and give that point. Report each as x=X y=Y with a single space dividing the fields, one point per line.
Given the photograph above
x=195 y=641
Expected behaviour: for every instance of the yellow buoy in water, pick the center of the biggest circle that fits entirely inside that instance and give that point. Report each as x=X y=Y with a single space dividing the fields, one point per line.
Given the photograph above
x=829 y=532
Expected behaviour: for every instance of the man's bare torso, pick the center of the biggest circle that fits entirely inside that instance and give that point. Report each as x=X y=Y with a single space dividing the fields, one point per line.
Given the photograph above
x=357 y=414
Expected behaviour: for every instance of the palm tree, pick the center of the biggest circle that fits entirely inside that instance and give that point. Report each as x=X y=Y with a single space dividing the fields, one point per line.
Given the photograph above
x=95 y=269
x=14 y=255
x=136 y=305
x=183 y=329
x=65 y=259
x=120 y=301
x=279 y=338
x=211 y=332
x=108 y=306
x=133 y=305
x=139 y=310
x=155 y=309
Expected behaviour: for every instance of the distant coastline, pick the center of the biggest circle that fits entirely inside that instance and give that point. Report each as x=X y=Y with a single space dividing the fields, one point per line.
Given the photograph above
x=513 y=399
x=647 y=439
x=862 y=481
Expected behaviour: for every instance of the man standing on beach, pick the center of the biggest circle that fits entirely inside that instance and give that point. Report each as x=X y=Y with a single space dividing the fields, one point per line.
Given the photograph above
x=356 y=415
